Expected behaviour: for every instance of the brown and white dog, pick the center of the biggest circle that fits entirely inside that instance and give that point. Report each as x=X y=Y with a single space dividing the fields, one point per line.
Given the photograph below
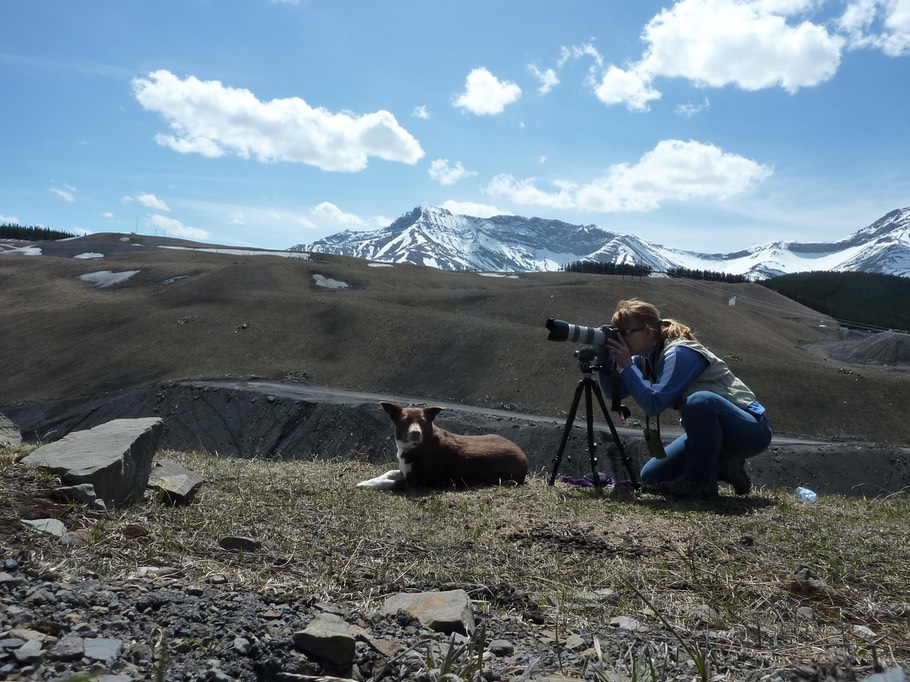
x=433 y=457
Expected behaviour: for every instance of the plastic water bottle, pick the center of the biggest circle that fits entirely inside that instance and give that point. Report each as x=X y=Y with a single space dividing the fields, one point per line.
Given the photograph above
x=806 y=495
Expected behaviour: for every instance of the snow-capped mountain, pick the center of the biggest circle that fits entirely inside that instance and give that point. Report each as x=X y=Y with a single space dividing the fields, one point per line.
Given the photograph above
x=434 y=237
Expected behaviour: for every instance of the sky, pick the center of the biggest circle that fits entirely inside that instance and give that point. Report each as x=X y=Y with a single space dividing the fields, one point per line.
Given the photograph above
x=704 y=125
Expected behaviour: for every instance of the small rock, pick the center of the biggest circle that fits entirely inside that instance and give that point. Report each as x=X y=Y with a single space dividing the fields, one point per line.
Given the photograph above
x=449 y=611
x=49 y=526
x=237 y=543
x=70 y=648
x=893 y=675
x=104 y=649
x=864 y=633
x=501 y=647
x=327 y=637
x=574 y=642
x=242 y=645
x=626 y=623
x=28 y=652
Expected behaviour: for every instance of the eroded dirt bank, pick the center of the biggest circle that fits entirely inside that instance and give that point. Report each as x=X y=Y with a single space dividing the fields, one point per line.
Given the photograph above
x=288 y=421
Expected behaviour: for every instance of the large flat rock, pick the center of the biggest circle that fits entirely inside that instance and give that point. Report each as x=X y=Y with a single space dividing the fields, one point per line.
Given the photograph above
x=115 y=457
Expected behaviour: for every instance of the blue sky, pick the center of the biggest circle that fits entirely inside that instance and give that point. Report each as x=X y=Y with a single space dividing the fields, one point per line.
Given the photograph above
x=706 y=125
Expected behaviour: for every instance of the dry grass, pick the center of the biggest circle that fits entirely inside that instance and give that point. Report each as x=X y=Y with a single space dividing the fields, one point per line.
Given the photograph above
x=736 y=573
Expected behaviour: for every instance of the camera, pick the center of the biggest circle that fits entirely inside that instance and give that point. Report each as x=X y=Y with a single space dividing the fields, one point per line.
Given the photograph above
x=560 y=330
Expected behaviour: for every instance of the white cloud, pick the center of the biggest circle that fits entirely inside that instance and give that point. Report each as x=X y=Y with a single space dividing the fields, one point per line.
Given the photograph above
x=747 y=44
x=328 y=212
x=421 y=112
x=880 y=24
x=673 y=171
x=9 y=220
x=211 y=119
x=444 y=174
x=149 y=201
x=525 y=192
x=108 y=215
x=473 y=209
x=68 y=193
x=548 y=78
x=689 y=110
x=568 y=54
x=630 y=87
x=750 y=44
x=174 y=228
x=485 y=94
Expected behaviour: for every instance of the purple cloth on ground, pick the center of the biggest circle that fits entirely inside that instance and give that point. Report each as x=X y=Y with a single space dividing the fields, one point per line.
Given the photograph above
x=588 y=480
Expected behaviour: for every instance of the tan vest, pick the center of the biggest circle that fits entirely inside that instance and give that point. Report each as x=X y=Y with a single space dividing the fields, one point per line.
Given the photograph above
x=716 y=378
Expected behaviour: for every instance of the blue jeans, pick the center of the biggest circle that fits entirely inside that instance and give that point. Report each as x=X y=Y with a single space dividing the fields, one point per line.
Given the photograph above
x=715 y=430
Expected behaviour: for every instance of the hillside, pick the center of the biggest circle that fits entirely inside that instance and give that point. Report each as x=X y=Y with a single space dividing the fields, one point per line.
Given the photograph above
x=860 y=300
x=403 y=329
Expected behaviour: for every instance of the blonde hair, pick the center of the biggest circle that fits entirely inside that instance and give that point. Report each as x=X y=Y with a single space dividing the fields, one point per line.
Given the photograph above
x=633 y=312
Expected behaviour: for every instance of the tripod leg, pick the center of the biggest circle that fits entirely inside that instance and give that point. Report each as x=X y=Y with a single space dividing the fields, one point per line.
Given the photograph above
x=626 y=460
x=592 y=446
x=565 y=434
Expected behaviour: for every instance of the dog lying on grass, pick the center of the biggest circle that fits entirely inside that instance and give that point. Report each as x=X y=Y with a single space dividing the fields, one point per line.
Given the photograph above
x=433 y=457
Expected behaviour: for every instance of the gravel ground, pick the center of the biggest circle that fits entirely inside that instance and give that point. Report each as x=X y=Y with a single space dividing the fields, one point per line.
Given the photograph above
x=52 y=628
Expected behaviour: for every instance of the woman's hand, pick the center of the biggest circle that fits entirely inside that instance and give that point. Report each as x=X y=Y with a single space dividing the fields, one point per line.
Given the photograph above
x=619 y=351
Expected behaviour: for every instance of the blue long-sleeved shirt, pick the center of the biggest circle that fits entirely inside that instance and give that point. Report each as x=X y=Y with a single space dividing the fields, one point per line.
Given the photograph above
x=679 y=368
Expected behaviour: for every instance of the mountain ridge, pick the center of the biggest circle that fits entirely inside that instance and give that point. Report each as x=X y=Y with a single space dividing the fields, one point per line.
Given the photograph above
x=435 y=237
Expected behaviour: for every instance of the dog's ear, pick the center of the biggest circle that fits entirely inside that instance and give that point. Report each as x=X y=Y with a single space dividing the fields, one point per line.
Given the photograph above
x=393 y=410
x=431 y=412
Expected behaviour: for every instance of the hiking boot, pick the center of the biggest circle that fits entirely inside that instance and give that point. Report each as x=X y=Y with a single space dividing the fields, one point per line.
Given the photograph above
x=686 y=487
x=733 y=471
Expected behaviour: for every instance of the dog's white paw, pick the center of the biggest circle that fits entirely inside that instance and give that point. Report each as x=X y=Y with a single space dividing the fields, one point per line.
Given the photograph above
x=387 y=481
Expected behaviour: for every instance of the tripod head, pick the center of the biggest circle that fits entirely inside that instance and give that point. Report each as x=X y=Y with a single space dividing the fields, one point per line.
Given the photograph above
x=587 y=360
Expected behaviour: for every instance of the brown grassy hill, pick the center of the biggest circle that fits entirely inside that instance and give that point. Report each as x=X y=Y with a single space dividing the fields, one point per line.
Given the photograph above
x=406 y=330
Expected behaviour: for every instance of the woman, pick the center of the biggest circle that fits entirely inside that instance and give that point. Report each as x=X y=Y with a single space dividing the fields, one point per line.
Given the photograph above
x=661 y=364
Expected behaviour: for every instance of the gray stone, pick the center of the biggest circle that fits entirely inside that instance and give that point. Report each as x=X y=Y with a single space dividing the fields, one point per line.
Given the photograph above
x=104 y=649
x=893 y=675
x=28 y=652
x=329 y=638
x=447 y=612
x=115 y=457
x=173 y=483
x=574 y=642
x=501 y=647
x=76 y=537
x=242 y=645
x=865 y=633
x=70 y=648
x=9 y=433
x=627 y=623
x=84 y=493
x=49 y=526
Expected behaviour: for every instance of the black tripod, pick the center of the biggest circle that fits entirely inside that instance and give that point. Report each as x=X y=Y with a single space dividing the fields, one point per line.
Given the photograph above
x=588 y=385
